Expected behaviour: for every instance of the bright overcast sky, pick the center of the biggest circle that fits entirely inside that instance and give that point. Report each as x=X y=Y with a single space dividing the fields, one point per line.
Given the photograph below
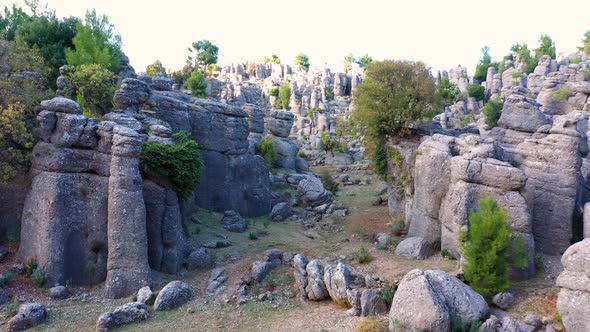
x=442 y=33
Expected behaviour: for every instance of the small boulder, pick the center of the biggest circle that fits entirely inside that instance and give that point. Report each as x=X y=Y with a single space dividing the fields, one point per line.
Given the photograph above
x=59 y=292
x=28 y=315
x=173 y=295
x=259 y=270
x=300 y=273
x=126 y=314
x=338 y=280
x=316 y=288
x=273 y=254
x=199 y=259
x=233 y=222
x=145 y=295
x=504 y=300
x=414 y=248
x=61 y=104
x=372 y=303
x=280 y=212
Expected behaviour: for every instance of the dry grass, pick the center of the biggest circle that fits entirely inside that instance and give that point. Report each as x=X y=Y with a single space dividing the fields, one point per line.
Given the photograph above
x=371 y=325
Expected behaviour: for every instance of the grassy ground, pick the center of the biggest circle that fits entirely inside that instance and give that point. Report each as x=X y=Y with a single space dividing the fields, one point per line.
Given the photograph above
x=356 y=230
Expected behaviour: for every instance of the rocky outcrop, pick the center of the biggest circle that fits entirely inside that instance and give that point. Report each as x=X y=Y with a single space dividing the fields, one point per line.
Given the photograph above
x=28 y=315
x=311 y=192
x=127 y=264
x=573 y=301
x=429 y=300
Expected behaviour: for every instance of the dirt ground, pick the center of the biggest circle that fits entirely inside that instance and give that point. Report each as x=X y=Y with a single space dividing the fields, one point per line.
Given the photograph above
x=356 y=230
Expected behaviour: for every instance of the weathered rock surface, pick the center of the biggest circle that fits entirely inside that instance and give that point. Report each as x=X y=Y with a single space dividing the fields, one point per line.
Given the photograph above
x=173 y=295
x=427 y=300
x=316 y=288
x=414 y=248
x=59 y=292
x=281 y=212
x=126 y=314
x=199 y=259
x=28 y=315
x=337 y=279
x=233 y=222
x=372 y=303
x=312 y=193
x=145 y=295
x=573 y=301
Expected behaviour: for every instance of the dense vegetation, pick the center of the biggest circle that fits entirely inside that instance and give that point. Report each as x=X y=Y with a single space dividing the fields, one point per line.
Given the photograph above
x=447 y=91
x=394 y=96
x=302 y=60
x=272 y=59
x=95 y=88
x=492 y=112
x=490 y=249
x=155 y=69
x=180 y=162
x=197 y=84
x=204 y=54
x=284 y=96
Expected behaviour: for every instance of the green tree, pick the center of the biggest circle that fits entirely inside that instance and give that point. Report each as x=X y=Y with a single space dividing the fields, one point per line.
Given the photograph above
x=447 y=91
x=155 y=68
x=285 y=95
x=476 y=91
x=490 y=249
x=348 y=61
x=394 y=95
x=273 y=59
x=205 y=54
x=95 y=87
x=492 y=112
x=50 y=36
x=19 y=95
x=546 y=47
x=180 y=76
x=10 y=20
x=524 y=56
x=364 y=61
x=197 y=84
x=481 y=70
x=96 y=43
x=302 y=60
x=180 y=162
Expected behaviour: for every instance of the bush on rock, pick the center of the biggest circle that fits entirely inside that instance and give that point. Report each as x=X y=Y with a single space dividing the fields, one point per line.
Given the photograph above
x=180 y=162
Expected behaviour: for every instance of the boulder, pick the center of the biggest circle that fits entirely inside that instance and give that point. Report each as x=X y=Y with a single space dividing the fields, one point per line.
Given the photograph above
x=414 y=248
x=259 y=270
x=522 y=114
x=61 y=104
x=573 y=301
x=372 y=303
x=316 y=288
x=28 y=315
x=300 y=273
x=280 y=123
x=281 y=212
x=126 y=314
x=312 y=193
x=286 y=153
x=145 y=295
x=233 y=222
x=59 y=292
x=173 y=295
x=337 y=279
x=199 y=259
x=504 y=300
x=428 y=300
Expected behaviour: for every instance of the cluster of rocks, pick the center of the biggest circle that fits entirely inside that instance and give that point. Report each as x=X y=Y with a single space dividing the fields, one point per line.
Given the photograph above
x=317 y=281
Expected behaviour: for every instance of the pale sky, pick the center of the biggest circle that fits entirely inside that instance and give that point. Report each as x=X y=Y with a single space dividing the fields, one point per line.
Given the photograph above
x=442 y=33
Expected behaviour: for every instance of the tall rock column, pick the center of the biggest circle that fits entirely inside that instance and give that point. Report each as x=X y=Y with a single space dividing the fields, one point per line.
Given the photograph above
x=127 y=267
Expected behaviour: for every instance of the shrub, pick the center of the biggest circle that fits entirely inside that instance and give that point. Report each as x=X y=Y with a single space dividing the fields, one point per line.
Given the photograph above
x=476 y=91
x=271 y=281
x=155 y=68
x=266 y=223
x=576 y=60
x=492 y=111
x=330 y=144
x=268 y=150
x=197 y=84
x=11 y=309
x=586 y=74
x=387 y=293
x=371 y=325
x=395 y=155
x=516 y=75
x=447 y=91
x=586 y=43
x=379 y=160
x=95 y=87
x=446 y=254
x=39 y=277
x=253 y=236
x=180 y=162
x=562 y=94
x=363 y=256
x=285 y=95
x=30 y=265
x=458 y=325
x=397 y=228
x=5 y=277
x=328 y=182
x=481 y=70
x=540 y=262
x=465 y=120
x=328 y=95
x=273 y=92
x=490 y=248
